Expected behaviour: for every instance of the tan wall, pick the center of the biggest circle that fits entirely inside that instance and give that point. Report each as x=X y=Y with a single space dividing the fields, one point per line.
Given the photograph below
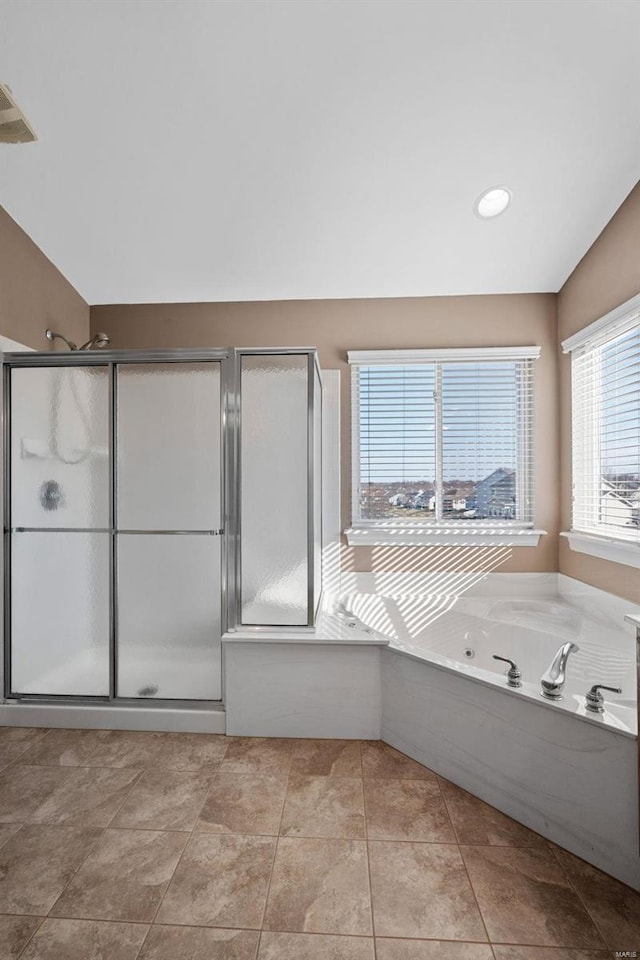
x=33 y=293
x=607 y=275
x=335 y=326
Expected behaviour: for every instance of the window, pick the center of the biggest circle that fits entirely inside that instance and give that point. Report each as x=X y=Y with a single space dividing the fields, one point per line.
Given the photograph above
x=605 y=390
x=442 y=445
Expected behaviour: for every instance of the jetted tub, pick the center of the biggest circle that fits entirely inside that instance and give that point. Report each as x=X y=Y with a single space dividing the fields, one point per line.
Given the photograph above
x=462 y=633
x=569 y=774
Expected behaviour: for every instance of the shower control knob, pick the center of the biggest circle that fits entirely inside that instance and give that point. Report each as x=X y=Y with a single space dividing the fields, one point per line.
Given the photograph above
x=594 y=701
x=514 y=675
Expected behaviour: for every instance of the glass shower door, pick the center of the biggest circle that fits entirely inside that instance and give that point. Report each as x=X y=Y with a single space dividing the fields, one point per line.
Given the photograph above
x=59 y=539
x=167 y=530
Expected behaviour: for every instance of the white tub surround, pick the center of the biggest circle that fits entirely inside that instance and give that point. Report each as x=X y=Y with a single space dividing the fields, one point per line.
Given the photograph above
x=575 y=783
x=207 y=719
x=303 y=688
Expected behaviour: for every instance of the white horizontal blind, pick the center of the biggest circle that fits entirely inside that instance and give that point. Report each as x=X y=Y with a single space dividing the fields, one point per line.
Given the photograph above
x=606 y=431
x=394 y=410
x=443 y=441
x=486 y=438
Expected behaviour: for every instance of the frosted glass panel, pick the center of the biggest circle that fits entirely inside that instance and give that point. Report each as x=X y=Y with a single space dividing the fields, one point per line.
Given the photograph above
x=169 y=616
x=60 y=613
x=169 y=446
x=60 y=447
x=274 y=467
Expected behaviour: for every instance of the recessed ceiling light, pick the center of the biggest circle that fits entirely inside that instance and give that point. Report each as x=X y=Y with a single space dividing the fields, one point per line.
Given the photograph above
x=492 y=202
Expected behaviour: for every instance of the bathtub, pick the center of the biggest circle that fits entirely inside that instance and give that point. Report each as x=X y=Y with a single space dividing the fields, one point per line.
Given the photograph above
x=462 y=633
x=562 y=771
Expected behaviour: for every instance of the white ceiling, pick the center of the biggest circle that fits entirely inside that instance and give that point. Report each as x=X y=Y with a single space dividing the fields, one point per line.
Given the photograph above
x=319 y=148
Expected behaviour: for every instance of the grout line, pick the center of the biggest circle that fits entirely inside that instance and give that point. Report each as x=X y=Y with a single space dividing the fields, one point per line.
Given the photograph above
x=89 y=852
x=82 y=863
x=473 y=891
x=71 y=823
x=275 y=853
x=187 y=842
x=84 y=860
x=366 y=847
x=448 y=812
x=29 y=939
x=142 y=943
x=578 y=895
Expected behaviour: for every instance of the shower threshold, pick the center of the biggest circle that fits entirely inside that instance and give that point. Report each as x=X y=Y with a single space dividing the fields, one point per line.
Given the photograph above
x=206 y=717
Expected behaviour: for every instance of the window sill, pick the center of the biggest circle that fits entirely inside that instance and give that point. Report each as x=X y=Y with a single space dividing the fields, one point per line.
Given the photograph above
x=381 y=535
x=619 y=551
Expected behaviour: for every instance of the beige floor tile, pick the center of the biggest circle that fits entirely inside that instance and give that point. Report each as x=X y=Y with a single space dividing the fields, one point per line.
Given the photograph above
x=23 y=789
x=431 y=950
x=86 y=940
x=323 y=807
x=199 y=943
x=379 y=760
x=406 y=810
x=124 y=878
x=244 y=803
x=326 y=758
x=64 y=748
x=125 y=748
x=14 y=934
x=221 y=881
x=197 y=752
x=164 y=800
x=314 y=946
x=37 y=863
x=87 y=796
x=21 y=734
x=258 y=756
x=10 y=752
x=475 y=822
x=548 y=953
x=526 y=898
x=320 y=886
x=7 y=830
x=422 y=890
x=614 y=907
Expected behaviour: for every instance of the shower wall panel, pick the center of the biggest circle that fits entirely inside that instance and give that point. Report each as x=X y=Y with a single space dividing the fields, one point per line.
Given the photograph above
x=274 y=489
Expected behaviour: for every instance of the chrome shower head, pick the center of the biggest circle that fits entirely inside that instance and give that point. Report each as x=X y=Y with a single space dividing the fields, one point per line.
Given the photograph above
x=99 y=340
x=51 y=336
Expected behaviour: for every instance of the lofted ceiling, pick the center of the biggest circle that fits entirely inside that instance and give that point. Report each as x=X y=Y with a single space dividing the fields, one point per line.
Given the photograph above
x=209 y=150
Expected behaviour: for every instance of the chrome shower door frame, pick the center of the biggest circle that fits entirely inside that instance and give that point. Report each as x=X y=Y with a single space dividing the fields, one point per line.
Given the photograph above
x=112 y=359
x=234 y=596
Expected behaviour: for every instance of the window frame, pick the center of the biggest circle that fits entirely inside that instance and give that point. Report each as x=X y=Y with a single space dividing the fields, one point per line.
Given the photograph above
x=439 y=531
x=598 y=540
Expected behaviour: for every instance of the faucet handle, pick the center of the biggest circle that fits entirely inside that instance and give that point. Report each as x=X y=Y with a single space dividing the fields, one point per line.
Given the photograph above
x=514 y=676
x=594 y=701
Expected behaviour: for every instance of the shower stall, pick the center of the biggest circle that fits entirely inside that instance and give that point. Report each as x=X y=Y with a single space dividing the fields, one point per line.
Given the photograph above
x=154 y=502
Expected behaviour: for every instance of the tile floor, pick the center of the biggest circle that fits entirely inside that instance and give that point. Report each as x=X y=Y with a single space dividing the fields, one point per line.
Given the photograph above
x=145 y=846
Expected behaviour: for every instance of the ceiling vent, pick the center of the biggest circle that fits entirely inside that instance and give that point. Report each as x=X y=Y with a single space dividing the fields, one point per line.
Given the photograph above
x=14 y=126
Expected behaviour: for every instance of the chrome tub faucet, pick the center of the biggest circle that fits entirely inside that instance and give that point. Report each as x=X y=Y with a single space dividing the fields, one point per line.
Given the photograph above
x=552 y=682
x=594 y=701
